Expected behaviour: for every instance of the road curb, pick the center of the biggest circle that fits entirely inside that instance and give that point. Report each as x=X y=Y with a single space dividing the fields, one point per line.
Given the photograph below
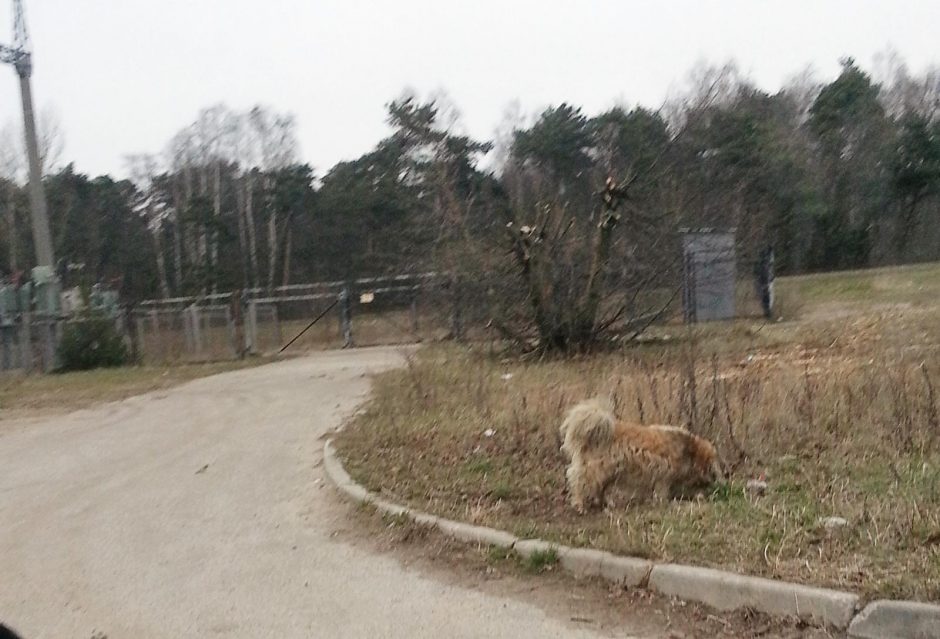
x=730 y=591
x=904 y=619
x=716 y=588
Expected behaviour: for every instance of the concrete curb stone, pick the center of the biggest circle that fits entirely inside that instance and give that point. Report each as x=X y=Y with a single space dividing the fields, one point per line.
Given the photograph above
x=718 y=589
x=885 y=619
x=333 y=466
x=728 y=591
x=424 y=519
x=389 y=508
x=581 y=562
x=476 y=534
x=525 y=548
x=627 y=571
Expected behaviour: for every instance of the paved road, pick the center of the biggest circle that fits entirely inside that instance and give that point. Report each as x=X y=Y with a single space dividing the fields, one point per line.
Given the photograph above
x=196 y=512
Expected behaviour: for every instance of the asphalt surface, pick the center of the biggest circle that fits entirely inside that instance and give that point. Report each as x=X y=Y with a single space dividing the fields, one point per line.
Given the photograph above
x=203 y=511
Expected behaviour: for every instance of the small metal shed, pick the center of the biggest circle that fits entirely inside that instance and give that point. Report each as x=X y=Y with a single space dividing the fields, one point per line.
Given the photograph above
x=708 y=274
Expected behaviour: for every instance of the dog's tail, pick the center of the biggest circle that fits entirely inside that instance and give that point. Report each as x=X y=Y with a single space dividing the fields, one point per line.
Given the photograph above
x=589 y=424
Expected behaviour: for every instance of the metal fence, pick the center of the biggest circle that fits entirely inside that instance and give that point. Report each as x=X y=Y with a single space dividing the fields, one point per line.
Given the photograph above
x=361 y=312
x=29 y=341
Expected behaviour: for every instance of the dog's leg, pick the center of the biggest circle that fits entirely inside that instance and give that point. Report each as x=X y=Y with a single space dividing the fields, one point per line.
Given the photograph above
x=662 y=489
x=575 y=474
x=587 y=483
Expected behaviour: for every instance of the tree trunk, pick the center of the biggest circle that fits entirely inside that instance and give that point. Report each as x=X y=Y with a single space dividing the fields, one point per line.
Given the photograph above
x=217 y=215
x=285 y=279
x=177 y=237
x=203 y=230
x=272 y=247
x=190 y=241
x=242 y=233
x=585 y=320
x=252 y=230
x=157 y=234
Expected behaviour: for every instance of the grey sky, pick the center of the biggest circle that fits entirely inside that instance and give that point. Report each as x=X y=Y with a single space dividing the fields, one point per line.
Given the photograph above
x=124 y=75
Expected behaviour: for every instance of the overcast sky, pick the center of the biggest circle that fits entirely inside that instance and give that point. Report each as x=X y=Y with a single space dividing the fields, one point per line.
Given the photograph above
x=124 y=75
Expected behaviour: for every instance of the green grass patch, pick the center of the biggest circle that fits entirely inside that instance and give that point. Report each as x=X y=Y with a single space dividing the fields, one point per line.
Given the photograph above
x=541 y=560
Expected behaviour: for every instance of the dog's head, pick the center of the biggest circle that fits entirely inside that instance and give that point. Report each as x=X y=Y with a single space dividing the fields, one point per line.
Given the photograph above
x=707 y=462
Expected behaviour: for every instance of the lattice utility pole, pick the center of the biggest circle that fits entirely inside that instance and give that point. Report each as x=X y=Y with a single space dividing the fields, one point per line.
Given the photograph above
x=20 y=56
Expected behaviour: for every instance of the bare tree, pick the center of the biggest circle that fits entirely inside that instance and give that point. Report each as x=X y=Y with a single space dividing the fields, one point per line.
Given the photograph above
x=276 y=139
x=149 y=204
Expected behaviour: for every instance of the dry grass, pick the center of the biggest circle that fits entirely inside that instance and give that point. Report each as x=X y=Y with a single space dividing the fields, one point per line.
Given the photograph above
x=32 y=395
x=840 y=415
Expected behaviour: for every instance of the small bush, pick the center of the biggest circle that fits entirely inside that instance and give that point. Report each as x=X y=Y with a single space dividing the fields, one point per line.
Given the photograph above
x=92 y=343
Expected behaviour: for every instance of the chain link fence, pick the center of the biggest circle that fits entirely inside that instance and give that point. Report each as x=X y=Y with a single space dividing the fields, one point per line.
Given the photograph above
x=362 y=312
x=381 y=310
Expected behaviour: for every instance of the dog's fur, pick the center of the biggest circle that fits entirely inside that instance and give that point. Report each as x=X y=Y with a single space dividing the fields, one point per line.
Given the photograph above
x=666 y=461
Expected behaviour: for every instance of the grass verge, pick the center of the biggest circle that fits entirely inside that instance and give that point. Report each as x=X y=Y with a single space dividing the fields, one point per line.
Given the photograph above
x=34 y=395
x=840 y=415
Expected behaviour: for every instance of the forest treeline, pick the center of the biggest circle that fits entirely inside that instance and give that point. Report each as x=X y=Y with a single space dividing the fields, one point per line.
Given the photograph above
x=832 y=175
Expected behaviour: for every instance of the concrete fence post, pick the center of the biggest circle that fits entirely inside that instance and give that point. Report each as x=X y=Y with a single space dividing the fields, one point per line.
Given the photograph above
x=7 y=333
x=232 y=333
x=277 y=325
x=345 y=317
x=47 y=338
x=251 y=328
x=26 y=342
x=155 y=320
x=196 y=322
x=187 y=331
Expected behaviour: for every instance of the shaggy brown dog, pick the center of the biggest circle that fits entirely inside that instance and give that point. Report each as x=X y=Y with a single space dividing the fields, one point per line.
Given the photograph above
x=663 y=460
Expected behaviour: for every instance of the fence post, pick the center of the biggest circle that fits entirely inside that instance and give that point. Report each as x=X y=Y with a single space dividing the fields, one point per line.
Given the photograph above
x=196 y=322
x=345 y=317
x=155 y=319
x=188 y=330
x=47 y=335
x=277 y=324
x=414 y=313
x=456 y=321
x=230 y=328
x=6 y=330
x=237 y=324
x=251 y=332
x=26 y=342
x=141 y=335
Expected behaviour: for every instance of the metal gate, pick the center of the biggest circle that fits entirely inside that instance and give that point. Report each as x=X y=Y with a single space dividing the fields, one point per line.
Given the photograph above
x=709 y=274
